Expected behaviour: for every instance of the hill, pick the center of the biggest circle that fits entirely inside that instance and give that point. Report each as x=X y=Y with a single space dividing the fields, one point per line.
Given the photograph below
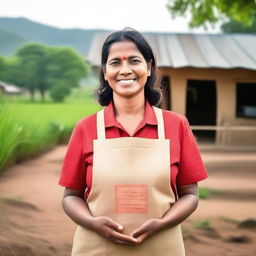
x=10 y=41
x=16 y=31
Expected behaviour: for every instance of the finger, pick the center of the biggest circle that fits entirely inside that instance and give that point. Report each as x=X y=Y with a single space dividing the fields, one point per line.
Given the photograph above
x=142 y=238
x=114 y=225
x=122 y=242
x=139 y=231
x=125 y=238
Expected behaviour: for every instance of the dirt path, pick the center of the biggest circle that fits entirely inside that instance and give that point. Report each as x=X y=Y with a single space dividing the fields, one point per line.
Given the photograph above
x=33 y=223
x=31 y=205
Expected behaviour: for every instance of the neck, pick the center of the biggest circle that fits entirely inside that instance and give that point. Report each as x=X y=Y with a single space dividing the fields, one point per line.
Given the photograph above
x=129 y=106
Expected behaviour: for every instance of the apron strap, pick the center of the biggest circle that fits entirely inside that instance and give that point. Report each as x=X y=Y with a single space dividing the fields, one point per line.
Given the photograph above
x=160 y=123
x=101 y=124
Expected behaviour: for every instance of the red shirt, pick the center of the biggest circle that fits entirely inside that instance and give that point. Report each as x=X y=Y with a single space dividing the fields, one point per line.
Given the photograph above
x=186 y=163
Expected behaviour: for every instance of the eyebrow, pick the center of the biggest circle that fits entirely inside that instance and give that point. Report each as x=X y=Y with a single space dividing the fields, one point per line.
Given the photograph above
x=130 y=57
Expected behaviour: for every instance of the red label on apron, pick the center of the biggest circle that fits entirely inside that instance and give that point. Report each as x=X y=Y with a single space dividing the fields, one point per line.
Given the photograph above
x=131 y=198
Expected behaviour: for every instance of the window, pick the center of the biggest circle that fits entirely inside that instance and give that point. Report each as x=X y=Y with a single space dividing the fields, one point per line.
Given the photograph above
x=246 y=100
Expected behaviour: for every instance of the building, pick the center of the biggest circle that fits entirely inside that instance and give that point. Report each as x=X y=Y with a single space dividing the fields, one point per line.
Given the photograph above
x=210 y=78
x=10 y=89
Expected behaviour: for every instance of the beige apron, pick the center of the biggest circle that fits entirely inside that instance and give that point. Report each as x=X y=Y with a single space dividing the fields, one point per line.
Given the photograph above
x=130 y=184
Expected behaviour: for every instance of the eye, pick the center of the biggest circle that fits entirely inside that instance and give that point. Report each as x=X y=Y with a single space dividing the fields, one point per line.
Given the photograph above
x=135 y=61
x=114 y=63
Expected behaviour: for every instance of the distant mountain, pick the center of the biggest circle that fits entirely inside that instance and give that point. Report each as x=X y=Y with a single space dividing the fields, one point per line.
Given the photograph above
x=10 y=41
x=16 y=31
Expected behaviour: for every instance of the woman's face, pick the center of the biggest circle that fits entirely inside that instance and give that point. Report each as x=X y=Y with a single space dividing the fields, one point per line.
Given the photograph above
x=126 y=69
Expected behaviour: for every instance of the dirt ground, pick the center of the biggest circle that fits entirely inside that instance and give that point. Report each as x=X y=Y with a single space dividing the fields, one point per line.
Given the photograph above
x=32 y=221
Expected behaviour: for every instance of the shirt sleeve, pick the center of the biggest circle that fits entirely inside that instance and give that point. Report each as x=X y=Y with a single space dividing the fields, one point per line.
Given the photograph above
x=191 y=168
x=73 y=171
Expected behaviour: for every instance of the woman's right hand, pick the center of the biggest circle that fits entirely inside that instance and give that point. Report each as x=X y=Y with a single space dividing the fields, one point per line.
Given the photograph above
x=111 y=230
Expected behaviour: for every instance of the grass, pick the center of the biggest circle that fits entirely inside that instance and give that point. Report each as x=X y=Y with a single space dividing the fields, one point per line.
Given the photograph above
x=10 y=136
x=203 y=224
x=205 y=193
x=30 y=128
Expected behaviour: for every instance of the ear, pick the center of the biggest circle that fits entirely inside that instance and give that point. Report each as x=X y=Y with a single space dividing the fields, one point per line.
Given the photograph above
x=149 y=68
x=104 y=72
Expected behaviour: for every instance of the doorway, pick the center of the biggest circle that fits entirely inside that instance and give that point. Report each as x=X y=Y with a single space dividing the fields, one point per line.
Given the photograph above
x=165 y=89
x=201 y=107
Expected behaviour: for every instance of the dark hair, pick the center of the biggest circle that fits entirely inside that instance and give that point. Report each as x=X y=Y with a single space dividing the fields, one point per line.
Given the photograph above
x=104 y=91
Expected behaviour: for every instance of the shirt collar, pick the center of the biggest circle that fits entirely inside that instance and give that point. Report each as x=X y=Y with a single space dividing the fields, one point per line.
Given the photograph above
x=110 y=119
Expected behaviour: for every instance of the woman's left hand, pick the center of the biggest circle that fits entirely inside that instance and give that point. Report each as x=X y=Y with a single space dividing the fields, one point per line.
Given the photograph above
x=178 y=212
x=147 y=229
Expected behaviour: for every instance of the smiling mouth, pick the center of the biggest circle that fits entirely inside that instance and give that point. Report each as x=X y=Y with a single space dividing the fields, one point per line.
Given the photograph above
x=126 y=81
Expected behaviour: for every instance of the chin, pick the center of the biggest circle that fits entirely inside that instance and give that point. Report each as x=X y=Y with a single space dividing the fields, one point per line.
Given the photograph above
x=129 y=94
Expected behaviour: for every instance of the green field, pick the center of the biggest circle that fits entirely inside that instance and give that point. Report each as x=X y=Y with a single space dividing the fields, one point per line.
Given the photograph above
x=30 y=128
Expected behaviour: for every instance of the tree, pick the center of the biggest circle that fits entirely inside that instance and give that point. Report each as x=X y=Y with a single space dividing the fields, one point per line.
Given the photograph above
x=59 y=91
x=11 y=71
x=205 y=12
x=236 y=27
x=2 y=68
x=64 y=64
x=44 y=66
x=32 y=58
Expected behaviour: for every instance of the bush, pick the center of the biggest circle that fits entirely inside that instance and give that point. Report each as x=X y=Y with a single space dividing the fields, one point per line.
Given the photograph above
x=59 y=91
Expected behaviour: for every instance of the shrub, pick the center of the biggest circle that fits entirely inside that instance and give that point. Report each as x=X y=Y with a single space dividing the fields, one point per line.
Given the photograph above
x=59 y=91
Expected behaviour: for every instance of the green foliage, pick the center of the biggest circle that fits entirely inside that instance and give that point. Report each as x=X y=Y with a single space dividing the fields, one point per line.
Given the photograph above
x=38 y=137
x=59 y=91
x=236 y=27
x=15 y=73
x=10 y=136
x=28 y=129
x=66 y=65
x=203 y=224
x=33 y=65
x=2 y=68
x=39 y=67
x=203 y=193
x=205 y=12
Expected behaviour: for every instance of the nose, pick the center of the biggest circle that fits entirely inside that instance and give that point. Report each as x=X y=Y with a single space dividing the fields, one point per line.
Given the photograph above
x=125 y=68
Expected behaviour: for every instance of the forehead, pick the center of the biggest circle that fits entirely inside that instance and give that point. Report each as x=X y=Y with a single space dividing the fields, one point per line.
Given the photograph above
x=124 y=48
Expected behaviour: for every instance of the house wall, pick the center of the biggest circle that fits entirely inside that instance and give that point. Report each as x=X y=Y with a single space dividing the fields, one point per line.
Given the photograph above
x=226 y=80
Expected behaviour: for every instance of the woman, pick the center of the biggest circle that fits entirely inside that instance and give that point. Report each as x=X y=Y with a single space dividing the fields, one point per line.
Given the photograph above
x=131 y=170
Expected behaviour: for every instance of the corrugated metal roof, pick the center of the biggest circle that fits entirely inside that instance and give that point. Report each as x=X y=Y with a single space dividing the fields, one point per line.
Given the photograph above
x=194 y=50
x=9 y=88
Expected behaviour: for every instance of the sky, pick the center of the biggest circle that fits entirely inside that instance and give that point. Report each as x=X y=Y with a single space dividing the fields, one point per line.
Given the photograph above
x=142 y=15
